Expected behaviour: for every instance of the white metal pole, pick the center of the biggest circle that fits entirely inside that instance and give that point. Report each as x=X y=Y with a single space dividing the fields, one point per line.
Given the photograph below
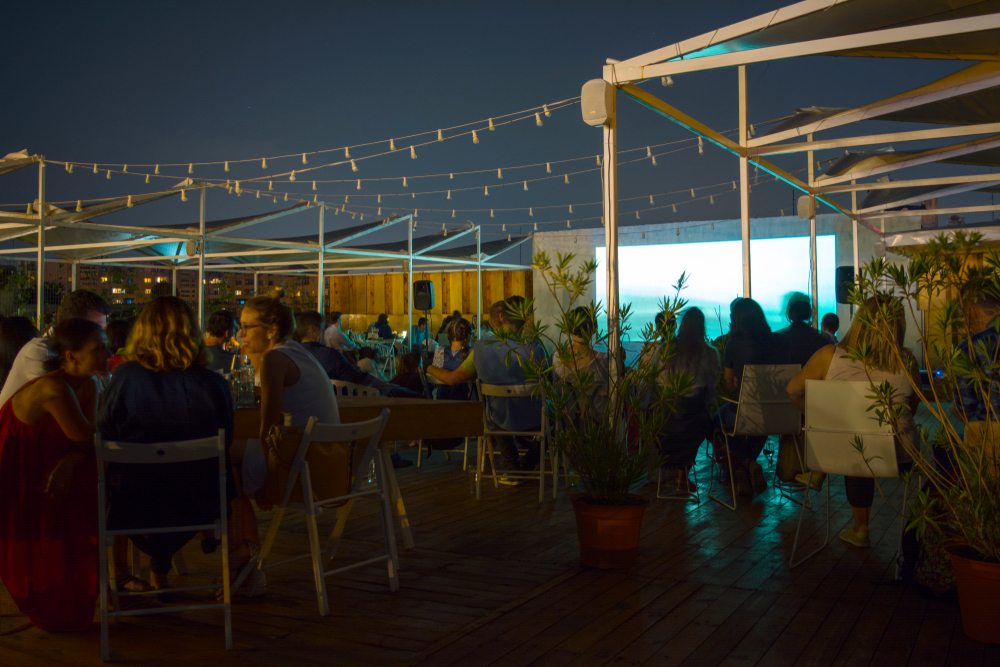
x=173 y=281
x=813 y=271
x=409 y=281
x=201 y=260
x=479 y=284
x=609 y=168
x=322 y=252
x=255 y=275
x=40 y=272
x=744 y=183
x=73 y=277
x=854 y=228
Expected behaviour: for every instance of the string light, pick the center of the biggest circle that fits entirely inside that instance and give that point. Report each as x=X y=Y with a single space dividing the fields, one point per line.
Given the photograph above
x=692 y=193
x=545 y=108
x=305 y=161
x=536 y=226
x=711 y=199
x=508 y=238
x=649 y=153
x=184 y=195
x=503 y=228
x=492 y=126
x=637 y=215
x=566 y=178
x=392 y=144
x=359 y=184
x=667 y=81
x=125 y=169
x=486 y=191
x=675 y=208
x=314 y=185
x=286 y=196
x=354 y=166
x=499 y=174
x=238 y=190
x=109 y=174
x=567 y=224
x=650 y=200
x=440 y=136
x=451 y=177
x=526 y=186
x=380 y=210
x=538 y=119
x=734 y=185
x=475 y=137
x=570 y=208
x=548 y=167
x=191 y=168
x=147 y=178
x=347 y=199
x=414 y=195
x=449 y=194
x=258 y=194
x=263 y=163
x=531 y=212
x=292 y=176
x=404 y=181
x=379 y=199
x=753 y=131
x=598 y=160
x=275 y=199
x=155 y=171
x=314 y=198
x=227 y=166
x=491 y=213
x=79 y=206
x=30 y=212
x=413 y=152
x=653 y=158
x=701 y=146
x=270 y=185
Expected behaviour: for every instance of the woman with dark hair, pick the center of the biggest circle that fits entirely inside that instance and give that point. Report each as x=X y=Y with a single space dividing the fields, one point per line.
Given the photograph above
x=165 y=392
x=751 y=342
x=15 y=332
x=450 y=357
x=691 y=421
x=382 y=328
x=48 y=509
x=117 y=331
x=583 y=361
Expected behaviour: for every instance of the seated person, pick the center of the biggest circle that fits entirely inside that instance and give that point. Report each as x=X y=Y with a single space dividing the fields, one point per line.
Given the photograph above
x=803 y=340
x=15 y=333
x=832 y=364
x=382 y=328
x=829 y=327
x=751 y=342
x=117 y=332
x=165 y=392
x=489 y=361
x=309 y=328
x=334 y=337
x=450 y=358
x=467 y=369
x=974 y=401
x=368 y=362
x=48 y=508
x=584 y=362
x=219 y=335
x=691 y=421
x=408 y=376
x=421 y=336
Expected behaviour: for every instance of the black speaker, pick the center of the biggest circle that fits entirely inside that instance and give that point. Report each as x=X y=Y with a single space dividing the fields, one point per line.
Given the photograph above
x=845 y=280
x=423 y=295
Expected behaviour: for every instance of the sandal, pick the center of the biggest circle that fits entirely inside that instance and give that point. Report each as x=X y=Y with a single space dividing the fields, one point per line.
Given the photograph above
x=131 y=584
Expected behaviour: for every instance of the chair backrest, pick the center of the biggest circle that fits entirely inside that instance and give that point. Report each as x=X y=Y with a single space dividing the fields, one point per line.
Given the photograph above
x=342 y=388
x=367 y=434
x=486 y=391
x=426 y=381
x=160 y=452
x=765 y=407
x=836 y=412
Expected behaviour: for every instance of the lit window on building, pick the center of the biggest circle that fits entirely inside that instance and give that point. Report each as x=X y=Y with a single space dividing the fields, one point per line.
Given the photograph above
x=149 y=291
x=148 y=280
x=104 y=279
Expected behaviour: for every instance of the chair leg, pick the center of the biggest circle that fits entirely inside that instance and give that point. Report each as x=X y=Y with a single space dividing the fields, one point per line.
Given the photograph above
x=792 y=563
x=493 y=463
x=732 y=480
x=465 y=457
x=389 y=533
x=272 y=532
x=479 y=466
x=420 y=453
x=317 y=562
x=333 y=542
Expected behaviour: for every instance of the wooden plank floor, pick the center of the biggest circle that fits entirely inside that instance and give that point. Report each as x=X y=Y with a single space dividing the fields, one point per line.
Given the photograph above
x=498 y=582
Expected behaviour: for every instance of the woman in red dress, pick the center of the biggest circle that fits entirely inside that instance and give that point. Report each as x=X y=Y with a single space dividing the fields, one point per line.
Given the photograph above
x=48 y=484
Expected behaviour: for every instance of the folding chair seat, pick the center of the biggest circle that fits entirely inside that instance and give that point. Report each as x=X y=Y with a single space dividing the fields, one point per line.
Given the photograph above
x=498 y=391
x=310 y=492
x=836 y=412
x=342 y=388
x=146 y=454
x=763 y=409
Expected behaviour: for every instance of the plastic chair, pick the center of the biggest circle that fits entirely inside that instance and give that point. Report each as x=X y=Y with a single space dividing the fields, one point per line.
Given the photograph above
x=427 y=381
x=836 y=412
x=512 y=391
x=342 y=388
x=764 y=409
x=164 y=452
x=300 y=477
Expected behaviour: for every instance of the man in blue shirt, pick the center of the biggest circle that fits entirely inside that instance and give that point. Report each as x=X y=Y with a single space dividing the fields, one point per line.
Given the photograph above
x=420 y=333
x=970 y=401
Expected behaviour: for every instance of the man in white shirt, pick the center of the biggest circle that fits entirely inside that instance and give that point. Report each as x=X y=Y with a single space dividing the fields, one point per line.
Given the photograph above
x=29 y=363
x=334 y=337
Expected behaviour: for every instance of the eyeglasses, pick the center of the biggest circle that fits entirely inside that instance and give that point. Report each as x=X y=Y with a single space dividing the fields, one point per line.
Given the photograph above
x=245 y=327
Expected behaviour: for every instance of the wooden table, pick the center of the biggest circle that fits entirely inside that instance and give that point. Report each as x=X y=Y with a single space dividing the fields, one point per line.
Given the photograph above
x=409 y=419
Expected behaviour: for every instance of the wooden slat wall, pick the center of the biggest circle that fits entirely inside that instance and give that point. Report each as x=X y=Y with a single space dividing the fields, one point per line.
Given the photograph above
x=361 y=298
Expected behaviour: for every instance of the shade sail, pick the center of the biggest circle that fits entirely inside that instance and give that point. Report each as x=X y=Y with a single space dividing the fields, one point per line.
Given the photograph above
x=14 y=161
x=902 y=242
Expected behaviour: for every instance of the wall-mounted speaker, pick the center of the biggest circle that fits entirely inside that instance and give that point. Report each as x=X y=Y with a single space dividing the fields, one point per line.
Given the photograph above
x=423 y=295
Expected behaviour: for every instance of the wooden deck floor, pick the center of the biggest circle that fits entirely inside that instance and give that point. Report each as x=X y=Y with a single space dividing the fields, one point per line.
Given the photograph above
x=498 y=582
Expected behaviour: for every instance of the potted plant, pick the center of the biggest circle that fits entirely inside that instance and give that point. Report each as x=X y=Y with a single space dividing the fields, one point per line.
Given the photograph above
x=960 y=503
x=606 y=415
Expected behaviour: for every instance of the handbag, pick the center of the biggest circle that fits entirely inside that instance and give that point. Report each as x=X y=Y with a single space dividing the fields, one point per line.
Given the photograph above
x=790 y=455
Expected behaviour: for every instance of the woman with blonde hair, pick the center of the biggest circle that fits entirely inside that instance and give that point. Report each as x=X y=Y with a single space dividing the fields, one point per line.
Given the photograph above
x=889 y=361
x=165 y=392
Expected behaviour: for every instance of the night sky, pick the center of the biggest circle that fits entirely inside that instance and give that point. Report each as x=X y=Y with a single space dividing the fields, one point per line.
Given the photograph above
x=163 y=82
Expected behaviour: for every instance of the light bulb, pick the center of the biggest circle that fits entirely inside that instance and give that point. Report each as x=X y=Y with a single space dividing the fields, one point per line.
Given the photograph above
x=753 y=131
x=637 y=215
x=440 y=136
x=79 y=206
x=147 y=178
x=157 y=169
x=545 y=108
x=566 y=178
x=508 y=238
x=379 y=199
x=503 y=228
x=354 y=166
x=346 y=199
x=570 y=208
x=654 y=160
x=413 y=152
x=414 y=195
x=675 y=208
x=538 y=119
x=184 y=195
x=649 y=153
x=292 y=176
x=548 y=167
x=567 y=224
x=286 y=196
x=125 y=169
x=258 y=194
x=692 y=193
x=238 y=190
x=380 y=210
x=392 y=144
x=314 y=197
x=598 y=160
x=650 y=200
x=404 y=181
x=475 y=137
x=305 y=161
x=492 y=127
x=711 y=199
x=486 y=191
x=526 y=185
x=359 y=184
x=536 y=226
x=109 y=174
x=275 y=199
x=451 y=177
x=30 y=212
x=263 y=163
x=449 y=194
x=499 y=174
x=701 y=146
x=453 y=213
x=227 y=166
x=270 y=185
x=491 y=213
x=314 y=185
x=666 y=81
x=191 y=168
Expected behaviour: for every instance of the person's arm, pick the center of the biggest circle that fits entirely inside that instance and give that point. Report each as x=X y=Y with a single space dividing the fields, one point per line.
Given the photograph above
x=462 y=374
x=815 y=369
x=730 y=379
x=276 y=368
x=59 y=400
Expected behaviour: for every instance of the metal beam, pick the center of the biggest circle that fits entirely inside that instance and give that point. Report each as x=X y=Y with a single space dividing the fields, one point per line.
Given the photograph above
x=385 y=223
x=945 y=192
x=301 y=206
x=40 y=309
x=936 y=211
x=487 y=258
x=444 y=241
x=873 y=139
x=983 y=179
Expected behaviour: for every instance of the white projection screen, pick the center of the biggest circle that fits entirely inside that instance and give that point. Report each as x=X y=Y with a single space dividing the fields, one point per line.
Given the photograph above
x=648 y=273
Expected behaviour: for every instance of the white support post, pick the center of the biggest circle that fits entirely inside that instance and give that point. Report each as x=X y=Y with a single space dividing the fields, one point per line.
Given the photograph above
x=609 y=168
x=854 y=229
x=255 y=276
x=40 y=272
x=744 y=184
x=201 y=260
x=813 y=270
x=73 y=277
x=322 y=252
x=479 y=285
x=409 y=284
x=173 y=280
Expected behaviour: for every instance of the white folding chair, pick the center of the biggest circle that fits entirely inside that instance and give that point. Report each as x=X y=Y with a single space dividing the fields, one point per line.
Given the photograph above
x=300 y=477
x=429 y=381
x=342 y=388
x=501 y=391
x=836 y=412
x=164 y=452
x=764 y=409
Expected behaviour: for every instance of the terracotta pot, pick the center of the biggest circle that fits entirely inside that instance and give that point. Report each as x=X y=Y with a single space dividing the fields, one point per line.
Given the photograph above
x=978 y=597
x=609 y=536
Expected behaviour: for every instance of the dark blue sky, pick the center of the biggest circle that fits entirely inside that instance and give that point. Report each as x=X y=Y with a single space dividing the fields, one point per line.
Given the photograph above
x=159 y=82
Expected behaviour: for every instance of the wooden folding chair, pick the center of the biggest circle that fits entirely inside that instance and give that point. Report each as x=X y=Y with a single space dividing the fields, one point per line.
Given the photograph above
x=836 y=412
x=146 y=454
x=301 y=482
x=764 y=409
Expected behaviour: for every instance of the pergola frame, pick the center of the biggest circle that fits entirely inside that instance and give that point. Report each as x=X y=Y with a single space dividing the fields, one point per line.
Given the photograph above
x=683 y=58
